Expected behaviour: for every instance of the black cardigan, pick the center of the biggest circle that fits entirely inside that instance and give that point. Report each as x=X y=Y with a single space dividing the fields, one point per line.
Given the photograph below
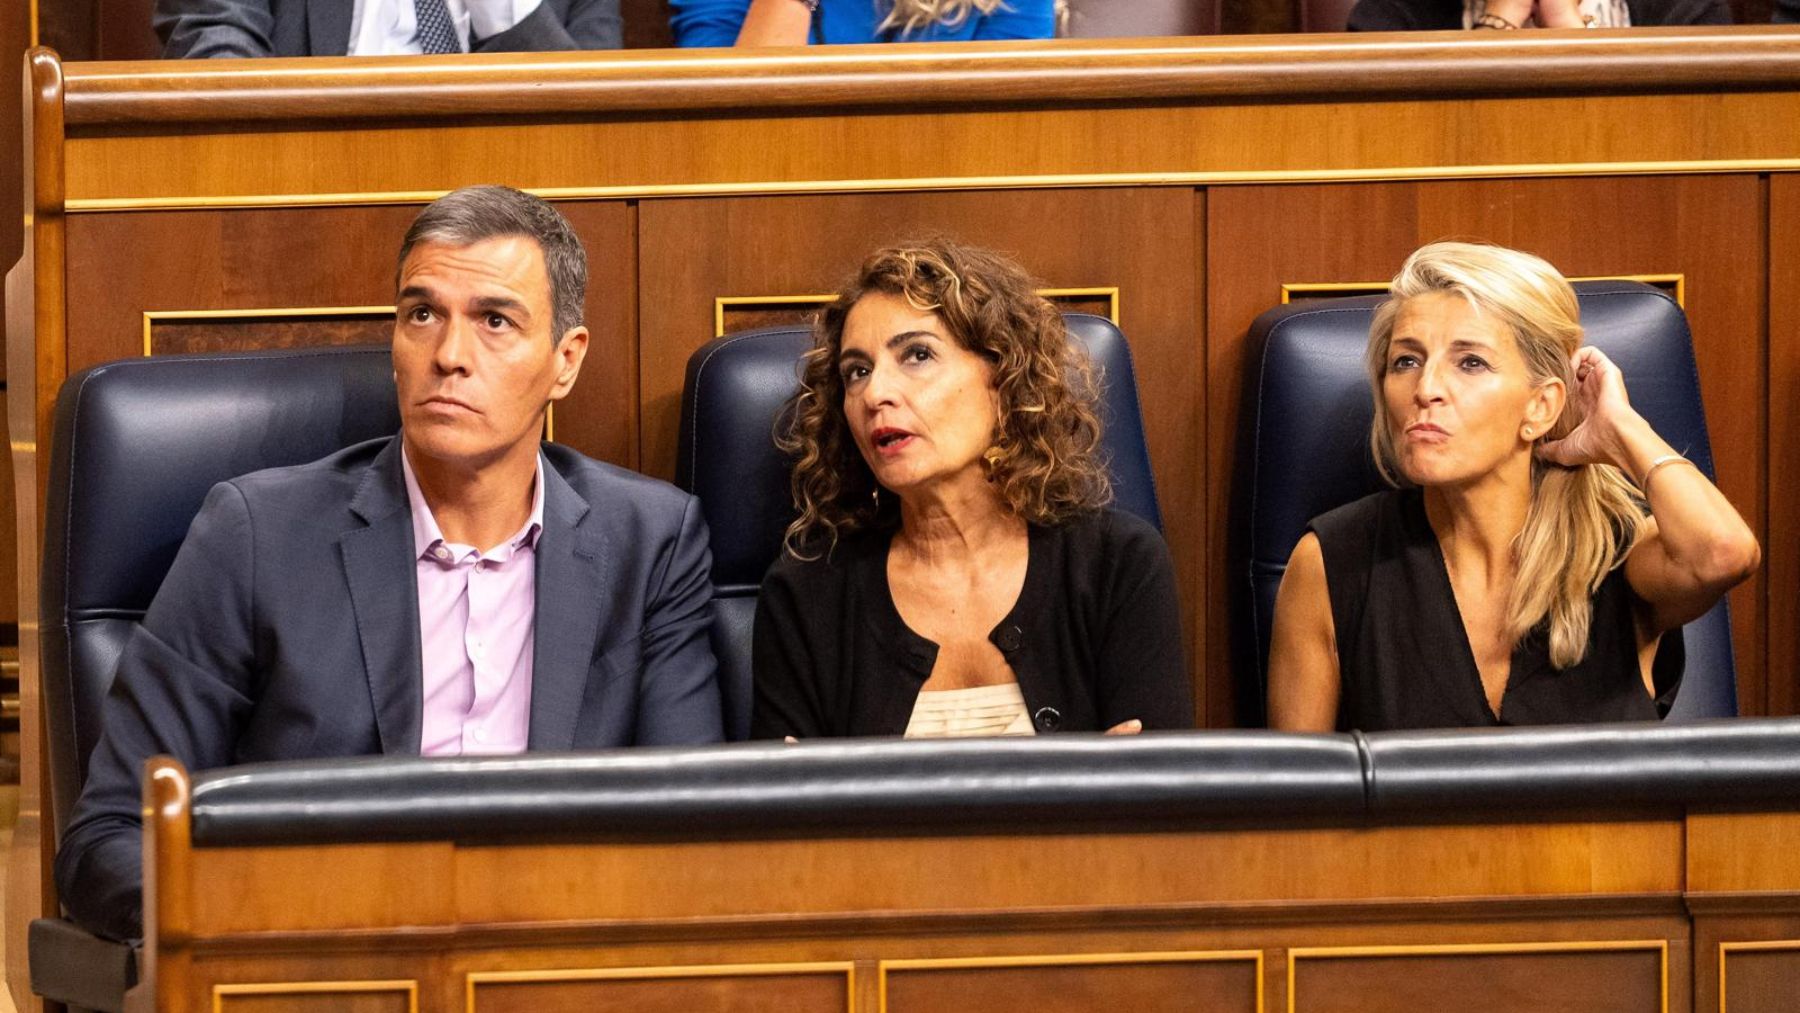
x=1094 y=638
x=1425 y=15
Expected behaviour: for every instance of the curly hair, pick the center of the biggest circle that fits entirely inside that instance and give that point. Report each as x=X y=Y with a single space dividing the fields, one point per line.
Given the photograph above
x=1045 y=461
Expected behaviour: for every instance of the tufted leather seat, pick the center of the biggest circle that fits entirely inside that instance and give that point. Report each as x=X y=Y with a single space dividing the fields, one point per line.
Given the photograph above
x=137 y=445
x=735 y=389
x=1304 y=450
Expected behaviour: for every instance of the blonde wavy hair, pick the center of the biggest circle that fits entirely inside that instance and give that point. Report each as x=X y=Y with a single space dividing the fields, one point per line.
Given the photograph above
x=908 y=16
x=1583 y=520
x=1045 y=460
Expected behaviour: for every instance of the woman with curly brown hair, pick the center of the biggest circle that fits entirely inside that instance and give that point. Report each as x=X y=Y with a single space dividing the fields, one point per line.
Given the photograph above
x=954 y=569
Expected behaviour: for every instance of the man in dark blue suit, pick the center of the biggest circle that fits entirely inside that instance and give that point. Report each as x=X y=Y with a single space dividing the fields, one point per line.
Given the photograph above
x=459 y=588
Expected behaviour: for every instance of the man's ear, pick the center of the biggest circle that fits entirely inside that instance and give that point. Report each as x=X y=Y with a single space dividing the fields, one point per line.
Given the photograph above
x=570 y=352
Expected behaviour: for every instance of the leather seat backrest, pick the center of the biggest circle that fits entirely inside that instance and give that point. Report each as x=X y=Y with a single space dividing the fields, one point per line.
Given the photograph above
x=137 y=445
x=1304 y=449
x=736 y=386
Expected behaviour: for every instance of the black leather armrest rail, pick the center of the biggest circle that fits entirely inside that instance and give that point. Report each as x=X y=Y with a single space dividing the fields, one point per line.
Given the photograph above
x=768 y=788
x=1722 y=763
x=852 y=786
x=73 y=967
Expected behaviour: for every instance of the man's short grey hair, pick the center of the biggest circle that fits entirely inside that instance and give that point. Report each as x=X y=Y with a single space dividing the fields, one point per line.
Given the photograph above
x=475 y=213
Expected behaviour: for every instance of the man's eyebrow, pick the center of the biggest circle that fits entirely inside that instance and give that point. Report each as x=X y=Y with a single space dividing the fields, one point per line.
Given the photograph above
x=415 y=292
x=487 y=303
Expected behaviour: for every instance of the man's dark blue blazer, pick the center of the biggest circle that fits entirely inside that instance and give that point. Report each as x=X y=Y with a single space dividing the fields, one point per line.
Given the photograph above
x=288 y=628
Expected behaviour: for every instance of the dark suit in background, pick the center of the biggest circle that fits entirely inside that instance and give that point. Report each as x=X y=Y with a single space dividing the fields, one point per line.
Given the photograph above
x=288 y=628
x=192 y=29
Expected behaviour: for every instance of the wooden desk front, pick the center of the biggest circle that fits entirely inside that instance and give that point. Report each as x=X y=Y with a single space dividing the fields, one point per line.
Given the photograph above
x=1180 y=185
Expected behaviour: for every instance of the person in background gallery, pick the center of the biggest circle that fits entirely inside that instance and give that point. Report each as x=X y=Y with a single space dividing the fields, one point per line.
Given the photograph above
x=1504 y=15
x=1542 y=547
x=954 y=569
x=194 y=29
x=813 y=22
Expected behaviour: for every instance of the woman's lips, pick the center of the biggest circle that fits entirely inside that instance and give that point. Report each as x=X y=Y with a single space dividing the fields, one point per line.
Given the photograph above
x=889 y=442
x=1425 y=432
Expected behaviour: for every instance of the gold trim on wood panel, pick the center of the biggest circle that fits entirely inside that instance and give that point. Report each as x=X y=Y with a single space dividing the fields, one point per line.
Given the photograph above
x=1750 y=946
x=152 y=317
x=474 y=978
x=1660 y=946
x=725 y=302
x=410 y=987
x=1304 y=288
x=905 y=185
x=1071 y=959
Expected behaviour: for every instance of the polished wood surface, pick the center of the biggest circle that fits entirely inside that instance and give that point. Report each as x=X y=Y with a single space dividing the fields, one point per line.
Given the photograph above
x=1516 y=913
x=226 y=205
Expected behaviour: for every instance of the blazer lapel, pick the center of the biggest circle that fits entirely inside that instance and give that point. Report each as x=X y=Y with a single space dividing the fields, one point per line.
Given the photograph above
x=379 y=561
x=573 y=581
x=327 y=27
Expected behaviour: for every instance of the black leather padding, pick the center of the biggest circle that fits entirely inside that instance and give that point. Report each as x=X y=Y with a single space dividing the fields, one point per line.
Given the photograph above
x=1634 y=766
x=1304 y=449
x=78 y=969
x=839 y=786
x=736 y=386
x=137 y=444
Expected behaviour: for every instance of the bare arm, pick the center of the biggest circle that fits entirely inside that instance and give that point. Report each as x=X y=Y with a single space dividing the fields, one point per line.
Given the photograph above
x=776 y=23
x=1695 y=546
x=1303 y=666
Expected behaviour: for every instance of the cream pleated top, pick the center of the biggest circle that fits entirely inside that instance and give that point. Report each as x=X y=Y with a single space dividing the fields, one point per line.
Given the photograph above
x=968 y=713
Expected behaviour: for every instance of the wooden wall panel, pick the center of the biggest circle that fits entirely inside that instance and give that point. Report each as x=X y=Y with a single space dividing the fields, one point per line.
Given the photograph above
x=190 y=263
x=280 y=999
x=1076 y=985
x=1626 y=980
x=1140 y=240
x=1708 y=228
x=1781 y=547
x=1759 y=979
x=663 y=990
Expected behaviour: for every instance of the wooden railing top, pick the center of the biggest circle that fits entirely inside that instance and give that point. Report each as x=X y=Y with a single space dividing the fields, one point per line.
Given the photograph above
x=956 y=75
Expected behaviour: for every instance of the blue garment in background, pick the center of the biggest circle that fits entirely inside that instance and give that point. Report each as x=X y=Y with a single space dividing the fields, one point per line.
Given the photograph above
x=716 y=22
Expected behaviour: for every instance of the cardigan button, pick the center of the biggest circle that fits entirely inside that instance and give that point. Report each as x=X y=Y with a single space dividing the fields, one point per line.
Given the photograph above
x=1009 y=638
x=1047 y=719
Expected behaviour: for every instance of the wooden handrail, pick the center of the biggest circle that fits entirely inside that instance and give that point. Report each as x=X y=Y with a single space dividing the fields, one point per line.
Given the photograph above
x=1340 y=67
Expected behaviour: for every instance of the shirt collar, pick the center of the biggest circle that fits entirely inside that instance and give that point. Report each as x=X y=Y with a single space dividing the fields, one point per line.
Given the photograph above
x=427 y=536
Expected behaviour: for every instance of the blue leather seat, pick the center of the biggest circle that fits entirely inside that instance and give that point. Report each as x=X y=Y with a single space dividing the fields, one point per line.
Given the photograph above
x=137 y=445
x=735 y=388
x=1304 y=449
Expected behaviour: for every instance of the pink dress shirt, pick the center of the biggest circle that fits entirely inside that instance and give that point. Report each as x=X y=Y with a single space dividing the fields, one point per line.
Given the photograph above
x=476 y=615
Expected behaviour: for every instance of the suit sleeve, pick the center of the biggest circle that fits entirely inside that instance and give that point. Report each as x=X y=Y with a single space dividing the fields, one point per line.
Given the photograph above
x=200 y=29
x=182 y=688
x=707 y=22
x=678 y=702
x=786 y=691
x=1022 y=19
x=556 y=26
x=1787 y=12
x=1142 y=669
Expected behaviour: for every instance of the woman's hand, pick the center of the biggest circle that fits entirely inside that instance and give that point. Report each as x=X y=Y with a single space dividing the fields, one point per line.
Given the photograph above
x=1599 y=400
x=1558 y=14
x=1131 y=727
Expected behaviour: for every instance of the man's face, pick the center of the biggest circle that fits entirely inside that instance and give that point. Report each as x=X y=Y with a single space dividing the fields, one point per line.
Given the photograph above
x=475 y=359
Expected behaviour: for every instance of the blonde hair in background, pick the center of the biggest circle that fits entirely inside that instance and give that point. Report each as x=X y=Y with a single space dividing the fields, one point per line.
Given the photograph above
x=1582 y=520
x=910 y=16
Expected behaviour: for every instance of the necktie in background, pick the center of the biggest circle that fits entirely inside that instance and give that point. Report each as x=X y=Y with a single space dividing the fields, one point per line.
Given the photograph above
x=436 y=33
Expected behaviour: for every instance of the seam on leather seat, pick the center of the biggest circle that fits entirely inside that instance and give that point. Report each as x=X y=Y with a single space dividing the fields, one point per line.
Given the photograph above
x=1367 y=762
x=699 y=375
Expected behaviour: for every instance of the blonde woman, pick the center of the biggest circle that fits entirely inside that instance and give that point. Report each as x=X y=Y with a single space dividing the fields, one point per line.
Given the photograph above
x=811 y=22
x=1543 y=545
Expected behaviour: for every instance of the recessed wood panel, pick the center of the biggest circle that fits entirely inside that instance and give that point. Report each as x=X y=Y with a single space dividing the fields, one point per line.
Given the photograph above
x=279 y=268
x=1781 y=560
x=1192 y=984
x=673 y=990
x=1138 y=241
x=1759 y=977
x=317 y=997
x=1709 y=229
x=1630 y=978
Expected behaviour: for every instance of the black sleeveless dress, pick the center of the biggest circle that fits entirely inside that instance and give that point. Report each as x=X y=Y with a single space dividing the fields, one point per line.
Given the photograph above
x=1404 y=659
